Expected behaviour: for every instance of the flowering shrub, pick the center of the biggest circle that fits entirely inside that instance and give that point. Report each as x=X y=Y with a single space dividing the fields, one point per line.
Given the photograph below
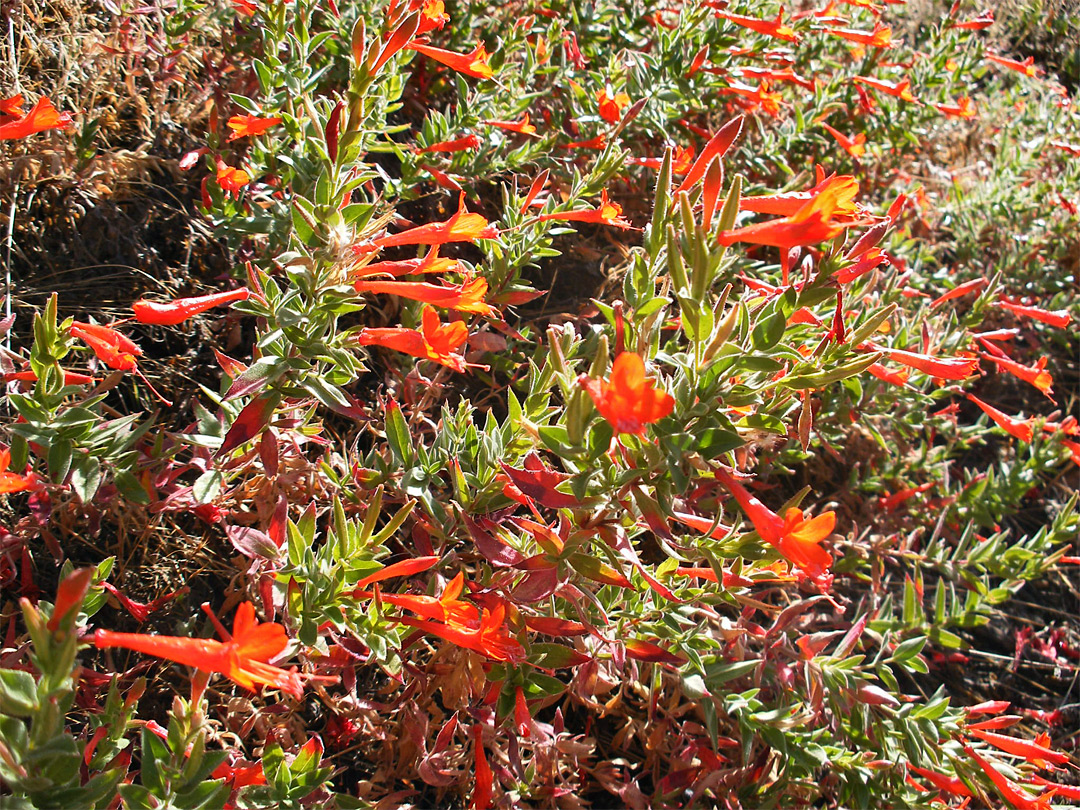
x=713 y=537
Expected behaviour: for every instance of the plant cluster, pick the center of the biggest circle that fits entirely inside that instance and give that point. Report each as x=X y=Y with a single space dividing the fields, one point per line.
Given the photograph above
x=712 y=539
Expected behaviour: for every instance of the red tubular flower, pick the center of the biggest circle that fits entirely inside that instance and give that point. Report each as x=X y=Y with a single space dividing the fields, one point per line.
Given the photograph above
x=1020 y=428
x=488 y=636
x=112 y=348
x=231 y=179
x=599 y=142
x=1008 y=789
x=963 y=108
x=1036 y=375
x=42 y=116
x=70 y=377
x=522 y=127
x=404 y=568
x=959 y=291
x=1059 y=318
x=434 y=341
x=949 y=784
x=813 y=222
x=773 y=75
x=180 y=309
x=607 y=213
x=1035 y=751
x=789 y=203
x=948 y=368
x=244 y=125
x=628 y=400
x=243 y=659
x=1027 y=67
x=462 y=227
x=772 y=28
x=611 y=106
x=433 y=16
x=431 y=263
x=11 y=107
x=468 y=297
x=984 y=20
x=856 y=147
x=473 y=64
x=681 y=161
x=457 y=145
x=880 y=37
x=756 y=97
x=797 y=539
x=900 y=90
x=898 y=377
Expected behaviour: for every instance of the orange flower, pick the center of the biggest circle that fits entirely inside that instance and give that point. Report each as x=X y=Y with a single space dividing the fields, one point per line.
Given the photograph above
x=431 y=263
x=179 y=310
x=797 y=539
x=628 y=401
x=42 y=116
x=243 y=659
x=789 y=203
x=963 y=108
x=487 y=635
x=984 y=20
x=898 y=377
x=611 y=107
x=243 y=125
x=468 y=297
x=433 y=16
x=462 y=623
x=473 y=64
x=900 y=90
x=813 y=222
x=231 y=179
x=1059 y=318
x=13 y=482
x=681 y=161
x=458 y=145
x=756 y=97
x=856 y=147
x=880 y=37
x=1027 y=67
x=774 y=75
x=522 y=127
x=70 y=377
x=607 y=213
x=599 y=142
x=948 y=368
x=433 y=341
x=1020 y=428
x=112 y=348
x=461 y=227
x=772 y=28
x=11 y=107
x=1036 y=375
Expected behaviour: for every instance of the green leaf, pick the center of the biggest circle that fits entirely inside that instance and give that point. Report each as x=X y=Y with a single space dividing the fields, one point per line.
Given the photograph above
x=18 y=692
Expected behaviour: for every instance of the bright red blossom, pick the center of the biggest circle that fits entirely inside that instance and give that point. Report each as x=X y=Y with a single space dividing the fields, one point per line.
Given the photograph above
x=112 y=348
x=797 y=539
x=243 y=659
x=244 y=125
x=628 y=400
x=179 y=310
x=433 y=341
x=473 y=64
x=42 y=116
